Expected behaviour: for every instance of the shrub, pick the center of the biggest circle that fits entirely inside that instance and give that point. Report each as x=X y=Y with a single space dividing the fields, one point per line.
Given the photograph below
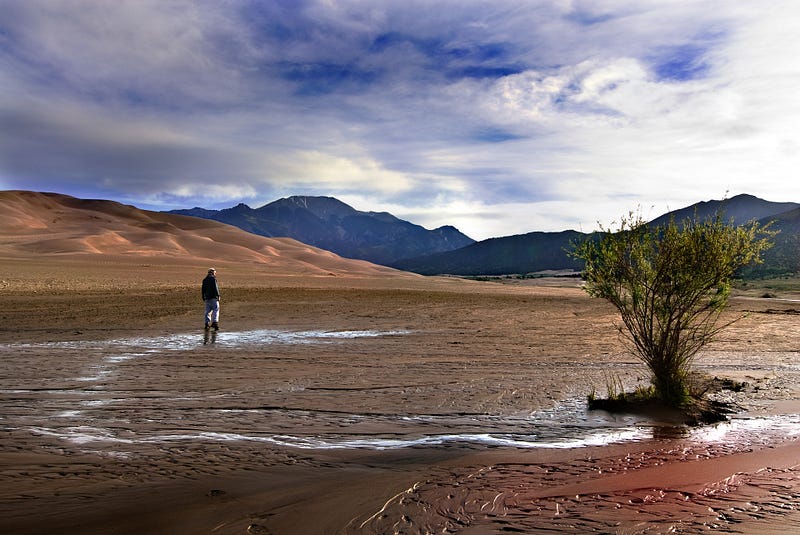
x=670 y=283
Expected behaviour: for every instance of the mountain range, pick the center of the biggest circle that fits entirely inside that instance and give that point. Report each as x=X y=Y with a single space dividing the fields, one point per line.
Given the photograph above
x=384 y=239
x=45 y=225
x=330 y=224
x=545 y=251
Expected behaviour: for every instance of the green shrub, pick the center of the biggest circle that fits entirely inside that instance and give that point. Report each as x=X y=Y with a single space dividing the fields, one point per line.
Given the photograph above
x=670 y=283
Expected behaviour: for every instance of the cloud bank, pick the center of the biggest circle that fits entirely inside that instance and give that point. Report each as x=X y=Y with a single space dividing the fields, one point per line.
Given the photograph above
x=496 y=117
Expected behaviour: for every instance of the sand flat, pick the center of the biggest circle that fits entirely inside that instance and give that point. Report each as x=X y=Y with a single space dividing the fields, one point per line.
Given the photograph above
x=365 y=405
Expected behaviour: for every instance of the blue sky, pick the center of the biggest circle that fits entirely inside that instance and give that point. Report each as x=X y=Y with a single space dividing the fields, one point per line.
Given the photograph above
x=498 y=117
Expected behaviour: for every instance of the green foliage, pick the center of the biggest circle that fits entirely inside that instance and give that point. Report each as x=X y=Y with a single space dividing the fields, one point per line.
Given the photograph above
x=670 y=283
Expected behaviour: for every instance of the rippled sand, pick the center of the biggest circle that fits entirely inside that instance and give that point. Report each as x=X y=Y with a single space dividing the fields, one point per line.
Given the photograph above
x=365 y=406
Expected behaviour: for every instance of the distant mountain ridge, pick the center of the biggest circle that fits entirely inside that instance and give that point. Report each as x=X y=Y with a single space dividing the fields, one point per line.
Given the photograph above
x=740 y=209
x=523 y=253
x=545 y=251
x=330 y=224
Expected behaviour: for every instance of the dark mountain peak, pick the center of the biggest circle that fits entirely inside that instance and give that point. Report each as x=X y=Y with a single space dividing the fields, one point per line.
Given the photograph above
x=746 y=197
x=447 y=232
x=321 y=207
x=740 y=208
x=240 y=208
x=328 y=223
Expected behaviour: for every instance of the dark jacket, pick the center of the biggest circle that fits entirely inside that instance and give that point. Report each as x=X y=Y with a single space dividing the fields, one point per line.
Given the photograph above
x=210 y=288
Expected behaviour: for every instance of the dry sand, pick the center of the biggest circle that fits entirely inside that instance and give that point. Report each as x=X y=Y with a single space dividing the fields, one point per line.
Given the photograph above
x=341 y=397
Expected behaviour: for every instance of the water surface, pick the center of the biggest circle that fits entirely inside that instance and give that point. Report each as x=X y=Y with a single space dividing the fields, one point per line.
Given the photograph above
x=105 y=406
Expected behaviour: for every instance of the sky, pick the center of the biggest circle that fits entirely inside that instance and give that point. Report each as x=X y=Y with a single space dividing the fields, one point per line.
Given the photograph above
x=498 y=117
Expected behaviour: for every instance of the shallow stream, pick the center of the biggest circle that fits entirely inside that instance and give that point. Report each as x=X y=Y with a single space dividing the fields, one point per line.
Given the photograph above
x=105 y=396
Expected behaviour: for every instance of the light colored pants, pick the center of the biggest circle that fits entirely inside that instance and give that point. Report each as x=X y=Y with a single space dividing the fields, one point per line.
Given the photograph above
x=212 y=311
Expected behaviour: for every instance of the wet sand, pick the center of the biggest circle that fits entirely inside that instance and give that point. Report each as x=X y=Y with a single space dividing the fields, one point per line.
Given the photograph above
x=368 y=405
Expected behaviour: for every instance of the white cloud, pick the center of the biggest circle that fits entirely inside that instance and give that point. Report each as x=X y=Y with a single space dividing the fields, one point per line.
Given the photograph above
x=312 y=168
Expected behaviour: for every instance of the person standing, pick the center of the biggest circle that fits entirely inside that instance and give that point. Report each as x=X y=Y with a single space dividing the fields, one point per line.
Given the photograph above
x=211 y=297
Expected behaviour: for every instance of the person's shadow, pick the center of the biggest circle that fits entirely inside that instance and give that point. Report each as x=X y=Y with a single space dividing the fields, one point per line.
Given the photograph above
x=209 y=337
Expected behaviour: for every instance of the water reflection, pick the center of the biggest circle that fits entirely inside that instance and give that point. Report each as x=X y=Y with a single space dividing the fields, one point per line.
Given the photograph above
x=670 y=432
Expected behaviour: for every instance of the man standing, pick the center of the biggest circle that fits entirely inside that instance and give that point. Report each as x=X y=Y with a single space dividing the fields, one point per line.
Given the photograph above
x=211 y=298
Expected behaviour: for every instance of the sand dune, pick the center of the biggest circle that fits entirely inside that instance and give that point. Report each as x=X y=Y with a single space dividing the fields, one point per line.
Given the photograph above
x=36 y=224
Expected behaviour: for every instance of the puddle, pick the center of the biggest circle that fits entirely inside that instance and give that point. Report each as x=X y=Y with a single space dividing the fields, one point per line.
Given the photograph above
x=186 y=341
x=68 y=414
x=552 y=437
x=742 y=429
x=535 y=431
